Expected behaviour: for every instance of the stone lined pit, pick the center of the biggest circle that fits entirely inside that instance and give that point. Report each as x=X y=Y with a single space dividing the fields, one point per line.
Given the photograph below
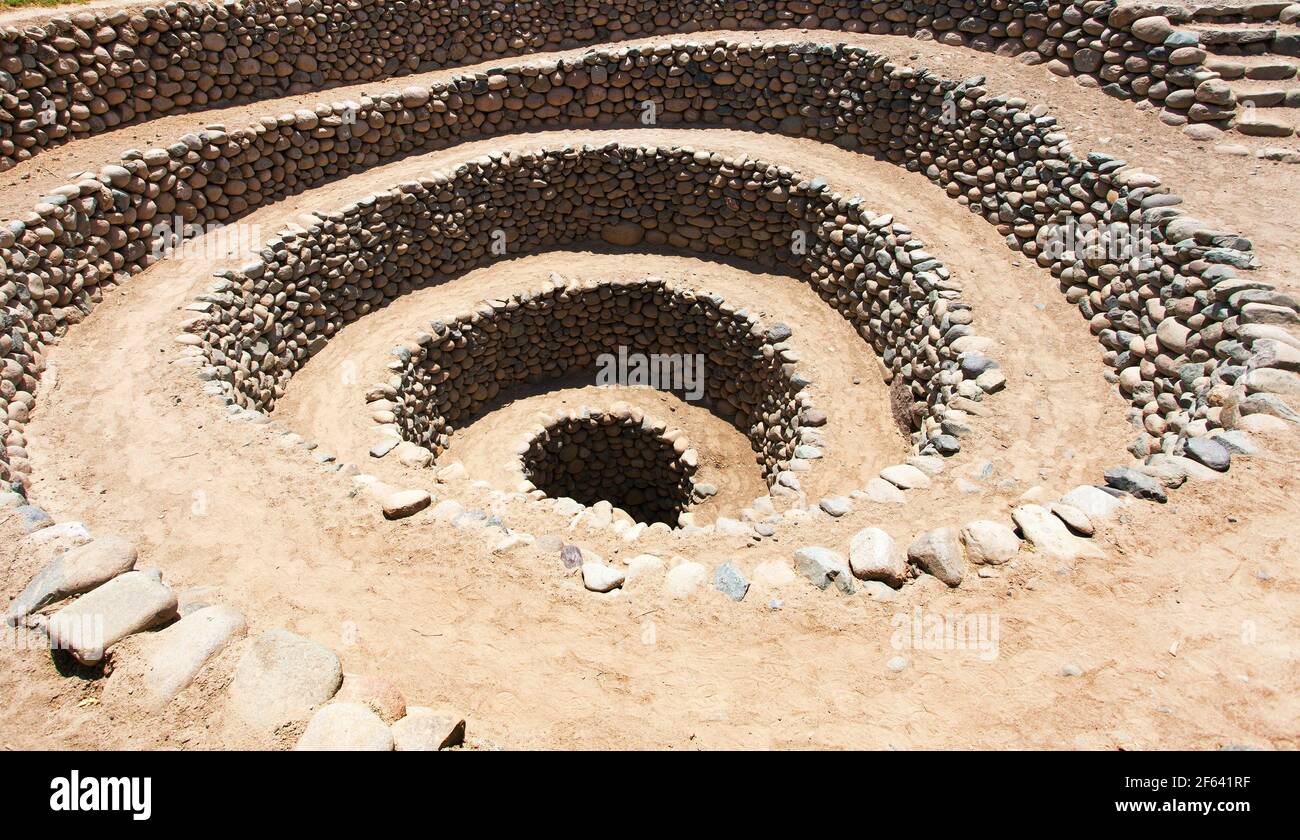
x=454 y=371
x=631 y=462
x=871 y=270
x=1000 y=156
x=1194 y=349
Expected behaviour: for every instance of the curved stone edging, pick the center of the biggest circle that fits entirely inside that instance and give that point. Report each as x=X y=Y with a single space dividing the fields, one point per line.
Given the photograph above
x=453 y=371
x=631 y=461
x=995 y=154
x=100 y=598
x=873 y=271
x=89 y=71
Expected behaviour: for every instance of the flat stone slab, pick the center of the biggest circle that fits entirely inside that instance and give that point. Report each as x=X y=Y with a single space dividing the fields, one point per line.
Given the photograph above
x=1209 y=452
x=346 y=726
x=428 y=730
x=1095 y=502
x=404 y=503
x=1074 y=519
x=931 y=465
x=1050 y=536
x=1185 y=468
x=905 y=477
x=127 y=604
x=65 y=534
x=78 y=570
x=173 y=657
x=730 y=581
x=836 y=505
x=879 y=490
x=281 y=678
x=1136 y=484
x=598 y=577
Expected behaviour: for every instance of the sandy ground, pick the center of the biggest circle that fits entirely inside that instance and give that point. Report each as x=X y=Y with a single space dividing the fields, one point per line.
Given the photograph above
x=1184 y=633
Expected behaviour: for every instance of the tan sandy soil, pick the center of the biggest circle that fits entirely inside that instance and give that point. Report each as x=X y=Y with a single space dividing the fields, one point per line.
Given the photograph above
x=1184 y=631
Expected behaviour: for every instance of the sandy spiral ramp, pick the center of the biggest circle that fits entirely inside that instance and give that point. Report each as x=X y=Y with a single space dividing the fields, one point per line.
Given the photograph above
x=289 y=541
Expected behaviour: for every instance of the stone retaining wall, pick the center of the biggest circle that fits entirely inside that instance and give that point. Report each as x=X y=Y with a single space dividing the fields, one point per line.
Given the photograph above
x=90 y=71
x=454 y=371
x=617 y=457
x=1177 y=323
x=266 y=320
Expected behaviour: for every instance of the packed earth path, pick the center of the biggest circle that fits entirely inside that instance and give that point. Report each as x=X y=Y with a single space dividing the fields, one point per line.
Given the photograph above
x=1171 y=625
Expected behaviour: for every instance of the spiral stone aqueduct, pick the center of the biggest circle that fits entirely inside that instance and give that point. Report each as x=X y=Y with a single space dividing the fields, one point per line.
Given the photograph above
x=934 y=342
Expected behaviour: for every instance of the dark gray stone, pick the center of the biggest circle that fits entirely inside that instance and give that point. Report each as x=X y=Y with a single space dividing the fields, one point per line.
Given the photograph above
x=1209 y=452
x=945 y=444
x=973 y=364
x=1139 y=485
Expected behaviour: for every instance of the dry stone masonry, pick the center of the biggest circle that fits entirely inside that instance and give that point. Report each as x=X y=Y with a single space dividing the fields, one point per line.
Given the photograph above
x=1000 y=156
x=266 y=320
x=1197 y=349
x=451 y=373
x=626 y=460
x=91 y=71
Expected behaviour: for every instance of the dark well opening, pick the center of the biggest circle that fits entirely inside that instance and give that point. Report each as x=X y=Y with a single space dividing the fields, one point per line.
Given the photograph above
x=620 y=459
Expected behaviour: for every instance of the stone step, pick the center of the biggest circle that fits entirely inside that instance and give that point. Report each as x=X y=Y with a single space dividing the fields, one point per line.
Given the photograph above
x=1220 y=35
x=1247 y=38
x=1229 y=12
x=1267 y=94
x=1254 y=67
x=1262 y=125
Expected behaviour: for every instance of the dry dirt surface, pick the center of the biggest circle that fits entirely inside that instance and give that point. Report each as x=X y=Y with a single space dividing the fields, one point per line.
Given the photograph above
x=1178 y=631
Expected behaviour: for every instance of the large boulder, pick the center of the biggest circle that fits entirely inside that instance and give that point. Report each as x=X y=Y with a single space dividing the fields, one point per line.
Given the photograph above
x=170 y=659
x=1049 y=535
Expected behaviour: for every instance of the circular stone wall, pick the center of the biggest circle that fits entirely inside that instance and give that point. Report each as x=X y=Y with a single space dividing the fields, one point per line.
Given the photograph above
x=999 y=155
x=268 y=319
x=690 y=343
x=91 y=71
x=617 y=458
